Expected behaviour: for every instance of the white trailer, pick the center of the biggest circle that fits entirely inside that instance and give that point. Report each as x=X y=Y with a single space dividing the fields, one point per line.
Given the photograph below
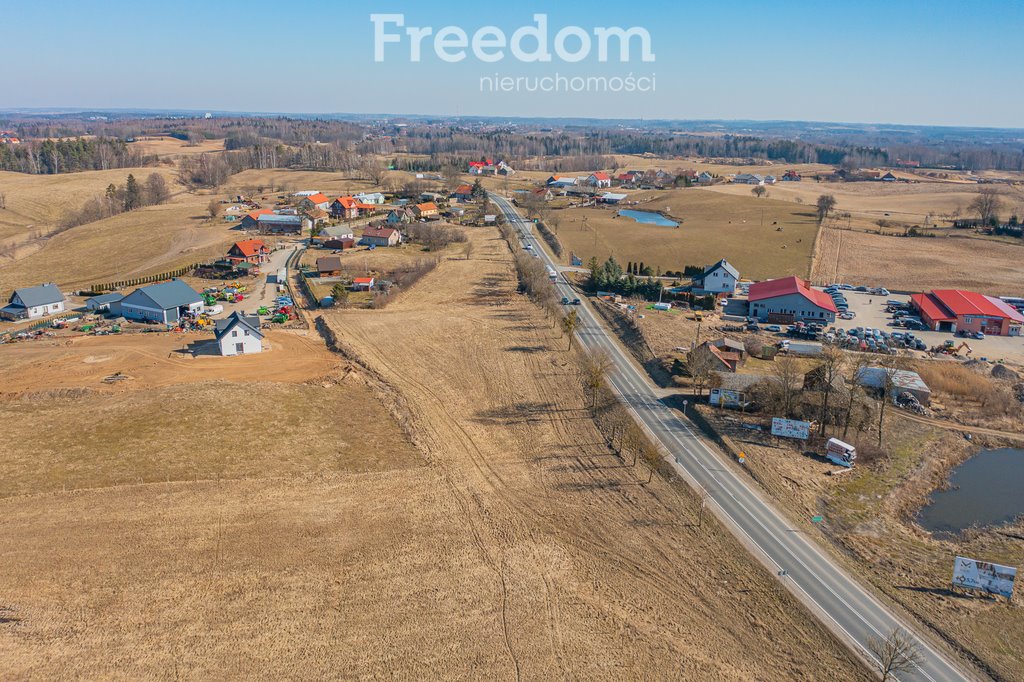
x=838 y=452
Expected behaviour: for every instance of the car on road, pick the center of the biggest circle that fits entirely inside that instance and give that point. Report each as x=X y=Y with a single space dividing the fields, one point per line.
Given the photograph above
x=773 y=328
x=527 y=247
x=565 y=300
x=576 y=301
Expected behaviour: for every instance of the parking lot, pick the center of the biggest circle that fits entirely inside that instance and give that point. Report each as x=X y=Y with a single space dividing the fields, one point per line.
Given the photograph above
x=870 y=312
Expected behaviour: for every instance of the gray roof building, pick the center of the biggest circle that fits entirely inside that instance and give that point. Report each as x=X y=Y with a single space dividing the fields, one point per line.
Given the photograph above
x=31 y=297
x=251 y=322
x=165 y=295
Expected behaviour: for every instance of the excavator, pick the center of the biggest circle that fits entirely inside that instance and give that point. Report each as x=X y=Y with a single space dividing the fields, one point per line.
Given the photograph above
x=949 y=348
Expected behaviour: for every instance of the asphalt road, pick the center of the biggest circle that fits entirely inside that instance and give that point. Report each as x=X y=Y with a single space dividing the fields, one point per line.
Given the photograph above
x=806 y=570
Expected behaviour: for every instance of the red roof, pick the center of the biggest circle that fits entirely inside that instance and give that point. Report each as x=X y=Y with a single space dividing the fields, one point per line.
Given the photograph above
x=318 y=199
x=384 y=232
x=250 y=247
x=429 y=206
x=346 y=202
x=258 y=212
x=464 y=189
x=788 y=286
x=949 y=304
x=601 y=175
x=363 y=280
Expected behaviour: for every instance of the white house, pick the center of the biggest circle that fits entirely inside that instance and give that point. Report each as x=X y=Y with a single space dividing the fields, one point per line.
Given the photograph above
x=239 y=334
x=375 y=198
x=165 y=302
x=599 y=180
x=719 y=278
x=33 y=302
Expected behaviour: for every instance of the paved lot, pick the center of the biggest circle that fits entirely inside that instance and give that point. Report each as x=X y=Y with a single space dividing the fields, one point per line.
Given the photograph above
x=871 y=312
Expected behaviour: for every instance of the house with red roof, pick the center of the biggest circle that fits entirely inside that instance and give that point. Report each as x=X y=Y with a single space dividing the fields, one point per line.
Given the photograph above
x=955 y=310
x=425 y=210
x=251 y=220
x=317 y=200
x=253 y=251
x=363 y=284
x=786 y=300
x=599 y=179
x=345 y=207
x=463 y=193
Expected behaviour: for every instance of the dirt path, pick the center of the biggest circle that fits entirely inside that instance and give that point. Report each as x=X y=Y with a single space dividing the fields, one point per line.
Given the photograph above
x=588 y=572
x=952 y=426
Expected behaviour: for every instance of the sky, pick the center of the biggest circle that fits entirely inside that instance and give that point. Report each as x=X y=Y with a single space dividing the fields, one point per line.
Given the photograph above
x=935 y=62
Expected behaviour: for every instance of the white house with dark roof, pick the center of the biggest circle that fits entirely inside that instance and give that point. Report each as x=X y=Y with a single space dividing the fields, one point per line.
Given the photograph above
x=165 y=302
x=32 y=302
x=239 y=334
x=719 y=278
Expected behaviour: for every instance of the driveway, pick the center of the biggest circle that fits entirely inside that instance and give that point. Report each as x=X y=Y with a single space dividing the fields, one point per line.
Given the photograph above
x=261 y=292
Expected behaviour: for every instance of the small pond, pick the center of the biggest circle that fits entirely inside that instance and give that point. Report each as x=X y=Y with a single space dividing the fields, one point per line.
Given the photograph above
x=986 y=490
x=649 y=218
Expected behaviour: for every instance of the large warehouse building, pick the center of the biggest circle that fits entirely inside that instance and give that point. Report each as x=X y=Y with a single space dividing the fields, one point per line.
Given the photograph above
x=784 y=301
x=953 y=310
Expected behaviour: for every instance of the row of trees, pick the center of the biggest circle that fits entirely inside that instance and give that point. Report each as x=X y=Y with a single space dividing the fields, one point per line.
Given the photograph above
x=118 y=199
x=70 y=155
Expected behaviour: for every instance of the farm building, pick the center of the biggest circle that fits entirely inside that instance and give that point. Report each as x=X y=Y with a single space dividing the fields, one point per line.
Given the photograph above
x=786 y=300
x=328 y=266
x=278 y=223
x=314 y=201
x=336 y=232
x=363 y=283
x=724 y=355
x=165 y=302
x=338 y=244
x=954 y=310
x=719 y=278
x=903 y=381
x=463 y=193
x=612 y=197
x=253 y=251
x=33 y=302
x=748 y=179
x=239 y=334
x=381 y=236
x=105 y=303
x=250 y=221
x=705 y=178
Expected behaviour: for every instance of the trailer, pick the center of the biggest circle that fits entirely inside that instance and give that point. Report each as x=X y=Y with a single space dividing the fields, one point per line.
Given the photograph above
x=838 y=452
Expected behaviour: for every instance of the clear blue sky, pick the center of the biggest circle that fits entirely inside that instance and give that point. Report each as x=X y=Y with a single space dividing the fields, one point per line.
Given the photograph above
x=906 y=61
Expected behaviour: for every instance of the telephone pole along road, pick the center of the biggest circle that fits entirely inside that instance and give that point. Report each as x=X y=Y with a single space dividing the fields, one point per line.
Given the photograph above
x=804 y=569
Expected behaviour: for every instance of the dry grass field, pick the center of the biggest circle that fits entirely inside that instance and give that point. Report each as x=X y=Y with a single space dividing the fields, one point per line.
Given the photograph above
x=511 y=544
x=742 y=229
x=919 y=264
x=172 y=147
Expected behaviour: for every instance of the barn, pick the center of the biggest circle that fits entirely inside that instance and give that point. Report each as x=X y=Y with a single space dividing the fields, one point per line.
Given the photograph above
x=786 y=300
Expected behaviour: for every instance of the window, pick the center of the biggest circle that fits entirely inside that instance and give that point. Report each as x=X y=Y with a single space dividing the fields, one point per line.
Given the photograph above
x=234 y=333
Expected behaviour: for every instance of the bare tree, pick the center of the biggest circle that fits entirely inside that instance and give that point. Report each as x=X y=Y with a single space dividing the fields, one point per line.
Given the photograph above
x=156 y=191
x=890 y=366
x=987 y=204
x=759 y=191
x=787 y=374
x=831 y=369
x=373 y=169
x=569 y=324
x=897 y=653
x=825 y=205
x=698 y=366
x=3 y=200
x=594 y=366
x=214 y=208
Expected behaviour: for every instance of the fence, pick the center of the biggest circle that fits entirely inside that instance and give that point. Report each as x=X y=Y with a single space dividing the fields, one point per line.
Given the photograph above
x=149 y=279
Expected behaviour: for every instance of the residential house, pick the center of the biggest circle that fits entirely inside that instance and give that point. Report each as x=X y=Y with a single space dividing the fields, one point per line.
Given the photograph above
x=735 y=390
x=722 y=359
x=328 y=266
x=544 y=193
x=239 y=334
x=105 y=303
x=705 y=178
x=786 y=300
x=32 y=302
x=253 y=251
x=463 y=193
x=363 y=283
x=426 y=210
x=561 y=181
x=748 y=179
x=316 y=216
x=317 y=200
x=505 y=169
x=335 y=232
x=791 y=176
x=485 y=167
x=599 y=180
x=345 y=208
x=166 y=302
x=381 y=236
x=371 y=198
x=400 y=216
x=769 y=179
x=689 y=175
x=955 y=310
x=889 y=177
x=902 y=163
x=719 y=278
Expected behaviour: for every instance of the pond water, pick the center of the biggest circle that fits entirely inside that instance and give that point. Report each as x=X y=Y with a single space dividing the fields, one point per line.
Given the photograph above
x=986 y=490
x=649 y=218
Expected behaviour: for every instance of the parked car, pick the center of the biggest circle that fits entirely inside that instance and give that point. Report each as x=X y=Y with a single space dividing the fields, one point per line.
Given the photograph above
x=847 y=315
x=979 y=335
x=773 y=328
x=861 y=289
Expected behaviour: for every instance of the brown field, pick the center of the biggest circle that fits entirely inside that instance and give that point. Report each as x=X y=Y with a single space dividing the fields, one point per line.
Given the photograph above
x=172 y=147
x=919 y=264
x=713 y=227
x=513 y=544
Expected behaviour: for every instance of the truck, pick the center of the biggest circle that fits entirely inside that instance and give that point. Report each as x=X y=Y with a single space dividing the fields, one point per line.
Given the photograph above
x=838 y=452
x=553 y=276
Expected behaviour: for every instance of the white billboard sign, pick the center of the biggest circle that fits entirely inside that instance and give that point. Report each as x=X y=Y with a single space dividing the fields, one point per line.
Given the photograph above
x=982 y=575
x=791 y=428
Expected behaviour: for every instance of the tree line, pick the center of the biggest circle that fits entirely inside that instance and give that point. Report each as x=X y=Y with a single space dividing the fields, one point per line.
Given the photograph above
x=47 y=157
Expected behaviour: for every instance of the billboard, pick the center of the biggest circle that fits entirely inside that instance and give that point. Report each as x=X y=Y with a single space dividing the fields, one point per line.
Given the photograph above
x=981 y=575
x=791 y=428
